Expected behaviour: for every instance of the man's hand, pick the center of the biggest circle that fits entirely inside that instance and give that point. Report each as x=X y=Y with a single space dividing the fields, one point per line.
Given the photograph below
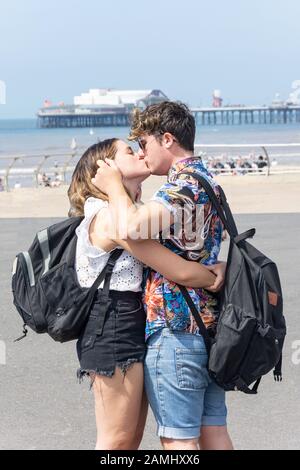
x=108 y=176
x=219 y=270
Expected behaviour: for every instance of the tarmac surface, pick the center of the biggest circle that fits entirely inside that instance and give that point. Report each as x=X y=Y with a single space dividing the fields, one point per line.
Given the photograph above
x=42 y=406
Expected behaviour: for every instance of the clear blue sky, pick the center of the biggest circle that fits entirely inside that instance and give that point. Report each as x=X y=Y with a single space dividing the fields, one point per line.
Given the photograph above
x=56 y=49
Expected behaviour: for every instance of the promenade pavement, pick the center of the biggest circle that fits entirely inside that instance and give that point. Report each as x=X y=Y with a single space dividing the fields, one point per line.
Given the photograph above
x=42 y=405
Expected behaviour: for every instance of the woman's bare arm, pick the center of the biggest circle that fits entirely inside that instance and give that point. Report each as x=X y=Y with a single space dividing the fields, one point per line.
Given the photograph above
x=171 y=266
x=153 y=254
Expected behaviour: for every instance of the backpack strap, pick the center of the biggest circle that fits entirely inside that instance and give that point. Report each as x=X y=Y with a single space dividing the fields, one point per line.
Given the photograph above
x=228 y=222
x=197 y=317
x=277 y=372
x=106 y=273
x=243 y=387
x=226 y=217
x=243 y=236
x=224 y=211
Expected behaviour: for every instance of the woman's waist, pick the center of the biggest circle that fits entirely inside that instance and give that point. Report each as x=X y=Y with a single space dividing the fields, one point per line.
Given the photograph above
x=119 y=294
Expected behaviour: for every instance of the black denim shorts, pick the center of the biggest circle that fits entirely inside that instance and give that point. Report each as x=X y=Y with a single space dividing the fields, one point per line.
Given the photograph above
x=114 y=335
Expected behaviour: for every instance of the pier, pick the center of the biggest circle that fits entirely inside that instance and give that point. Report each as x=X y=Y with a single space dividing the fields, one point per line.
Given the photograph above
x=65 y=119
x=74 y=116
x=241 y=115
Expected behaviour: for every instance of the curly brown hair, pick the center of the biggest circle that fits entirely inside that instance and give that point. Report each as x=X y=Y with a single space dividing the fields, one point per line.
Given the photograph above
x=81 y=186
x=168 y=116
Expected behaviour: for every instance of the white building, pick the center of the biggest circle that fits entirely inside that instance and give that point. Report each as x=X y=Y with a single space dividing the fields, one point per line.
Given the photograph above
x=294 y=98
x=120 y=98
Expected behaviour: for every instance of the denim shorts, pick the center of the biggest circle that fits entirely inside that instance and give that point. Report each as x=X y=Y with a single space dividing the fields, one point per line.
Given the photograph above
x=180 y=391
x=114 y=335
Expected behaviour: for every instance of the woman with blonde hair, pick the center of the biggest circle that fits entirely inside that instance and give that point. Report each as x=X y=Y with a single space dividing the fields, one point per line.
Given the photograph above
x=111 y=348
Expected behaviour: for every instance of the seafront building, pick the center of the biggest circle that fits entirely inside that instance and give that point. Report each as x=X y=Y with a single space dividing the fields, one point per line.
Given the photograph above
x=98 y=108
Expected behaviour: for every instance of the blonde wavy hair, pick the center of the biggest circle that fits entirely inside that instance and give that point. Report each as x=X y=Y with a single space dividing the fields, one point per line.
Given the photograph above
x=81 y=186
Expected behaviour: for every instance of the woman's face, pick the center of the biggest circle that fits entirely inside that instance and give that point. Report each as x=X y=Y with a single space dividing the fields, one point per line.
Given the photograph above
x=130 y=164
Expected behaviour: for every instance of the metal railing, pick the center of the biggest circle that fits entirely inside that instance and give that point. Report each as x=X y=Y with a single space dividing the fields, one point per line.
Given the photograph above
x=66 y=159
x=262 y=147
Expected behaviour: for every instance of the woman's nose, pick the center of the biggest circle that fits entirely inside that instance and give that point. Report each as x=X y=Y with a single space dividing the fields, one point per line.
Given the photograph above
x=141 y=154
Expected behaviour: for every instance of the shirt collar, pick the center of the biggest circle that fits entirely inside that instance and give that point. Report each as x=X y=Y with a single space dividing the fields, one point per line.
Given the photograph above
x=182 y=164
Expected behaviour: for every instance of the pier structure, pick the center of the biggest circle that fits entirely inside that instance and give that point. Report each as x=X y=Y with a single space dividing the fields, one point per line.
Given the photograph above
x=75 y=116
x=112 y=108
x=238 y=115
x=56 y=118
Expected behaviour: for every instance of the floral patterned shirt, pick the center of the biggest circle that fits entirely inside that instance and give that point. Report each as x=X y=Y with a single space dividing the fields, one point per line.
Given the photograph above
x=196 y=235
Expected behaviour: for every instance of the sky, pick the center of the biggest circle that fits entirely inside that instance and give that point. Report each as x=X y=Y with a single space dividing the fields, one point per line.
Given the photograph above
x=55 y=49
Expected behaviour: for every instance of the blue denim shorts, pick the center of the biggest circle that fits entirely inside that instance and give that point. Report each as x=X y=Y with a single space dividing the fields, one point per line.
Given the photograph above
x=180 y=391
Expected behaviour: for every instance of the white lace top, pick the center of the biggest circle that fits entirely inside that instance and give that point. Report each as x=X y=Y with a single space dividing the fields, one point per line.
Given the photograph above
x=90 y=260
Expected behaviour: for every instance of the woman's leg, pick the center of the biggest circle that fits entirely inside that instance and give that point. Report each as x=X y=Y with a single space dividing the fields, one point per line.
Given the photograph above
x=141 y=422
x=118 y=402
x=215 y=438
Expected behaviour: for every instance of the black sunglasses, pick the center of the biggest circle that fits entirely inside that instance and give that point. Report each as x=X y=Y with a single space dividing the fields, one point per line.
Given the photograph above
x=142 y=144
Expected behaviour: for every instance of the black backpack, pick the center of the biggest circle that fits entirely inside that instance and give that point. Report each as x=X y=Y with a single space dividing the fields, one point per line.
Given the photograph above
x=46 y=292
x=251 y=327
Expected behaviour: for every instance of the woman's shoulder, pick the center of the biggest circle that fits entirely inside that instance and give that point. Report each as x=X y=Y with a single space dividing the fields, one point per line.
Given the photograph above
x=92 y=205
x=93 y=211
x=92 y=208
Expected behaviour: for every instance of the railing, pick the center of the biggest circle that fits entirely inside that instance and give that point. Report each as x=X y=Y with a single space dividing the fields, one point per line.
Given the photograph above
x=66 y=159
x=262 y=147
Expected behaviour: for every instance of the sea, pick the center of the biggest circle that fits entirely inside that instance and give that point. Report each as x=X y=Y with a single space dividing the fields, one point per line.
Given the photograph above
x=22 y=138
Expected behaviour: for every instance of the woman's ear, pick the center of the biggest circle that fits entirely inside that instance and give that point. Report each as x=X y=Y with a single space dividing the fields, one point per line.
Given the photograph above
x=111 y=163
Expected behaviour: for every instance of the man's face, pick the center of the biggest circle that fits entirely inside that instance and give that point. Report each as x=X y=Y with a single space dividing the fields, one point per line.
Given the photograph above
x=155 y=154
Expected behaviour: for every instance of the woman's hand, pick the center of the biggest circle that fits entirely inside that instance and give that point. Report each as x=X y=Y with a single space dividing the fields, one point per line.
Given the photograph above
x=219 y=270
x=108 y=176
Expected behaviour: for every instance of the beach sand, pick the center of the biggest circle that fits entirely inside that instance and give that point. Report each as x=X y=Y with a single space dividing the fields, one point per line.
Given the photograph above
x=246 y=194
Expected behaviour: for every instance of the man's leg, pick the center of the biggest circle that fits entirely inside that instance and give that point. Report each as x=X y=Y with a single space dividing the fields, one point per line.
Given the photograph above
x=176 y=379
x=179 y=444
x=215 y=438
x=214 y=434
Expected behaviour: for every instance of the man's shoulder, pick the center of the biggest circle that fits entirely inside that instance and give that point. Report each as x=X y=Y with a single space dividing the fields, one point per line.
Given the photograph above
x=176 y=188
x=183 y=183
x=188 y=176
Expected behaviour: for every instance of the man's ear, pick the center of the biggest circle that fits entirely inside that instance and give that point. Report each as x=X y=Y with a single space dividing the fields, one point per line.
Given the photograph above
x=168 y=139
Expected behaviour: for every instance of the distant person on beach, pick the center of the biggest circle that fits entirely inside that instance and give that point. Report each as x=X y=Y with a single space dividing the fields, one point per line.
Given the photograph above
x=46 y=180
x=261 y=163
x=57 y=180
x=189 y=407
x=1 y=185
x=111 y=348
